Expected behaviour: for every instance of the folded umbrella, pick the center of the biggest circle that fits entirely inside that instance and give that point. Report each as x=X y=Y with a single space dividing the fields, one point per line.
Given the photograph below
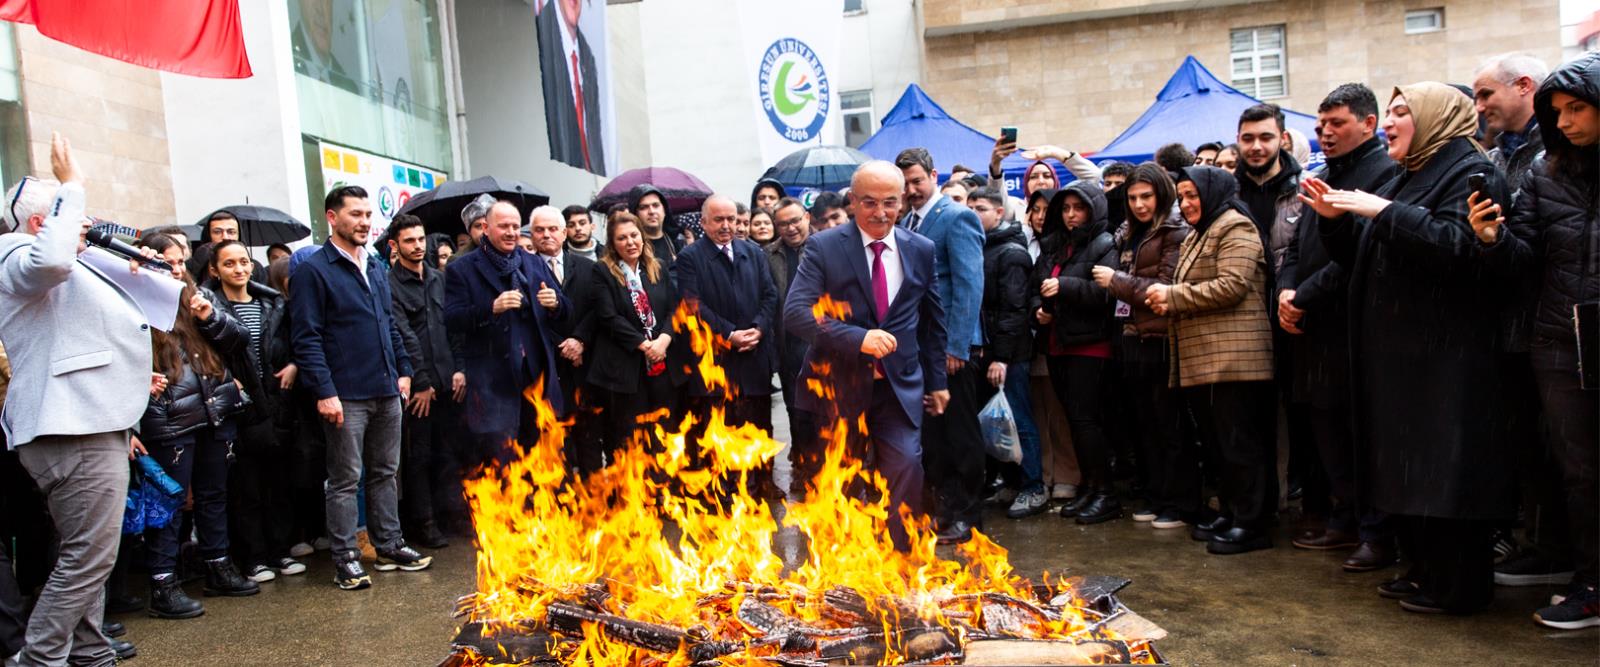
x=440 y=208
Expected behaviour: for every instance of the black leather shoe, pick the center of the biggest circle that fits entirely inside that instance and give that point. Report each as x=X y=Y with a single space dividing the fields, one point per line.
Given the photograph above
x=428 y=537
x=1202 y=532
x=1421 y=604
x=1399 y=588
x=1103 y=507
x=113 y=629
x=1077 y=504
x=167 y=600
x=1328 y=540
x=1238 y=540
x=1370 y=556
x=124 y=650
x=955 y=533
x=122 y=604
x=222 y=578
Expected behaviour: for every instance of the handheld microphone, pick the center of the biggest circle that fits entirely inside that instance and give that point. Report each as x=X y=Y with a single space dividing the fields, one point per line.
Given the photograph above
x=101 y=237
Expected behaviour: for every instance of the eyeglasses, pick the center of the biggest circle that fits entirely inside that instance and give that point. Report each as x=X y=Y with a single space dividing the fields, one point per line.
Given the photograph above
x=890 y=204
x=17 y=196
x=790 y=222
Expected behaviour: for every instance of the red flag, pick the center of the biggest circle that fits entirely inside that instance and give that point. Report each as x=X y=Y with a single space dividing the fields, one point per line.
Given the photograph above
x=194 y=37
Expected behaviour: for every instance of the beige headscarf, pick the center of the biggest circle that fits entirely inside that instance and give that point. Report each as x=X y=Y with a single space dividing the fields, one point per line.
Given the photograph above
x=1439 y=113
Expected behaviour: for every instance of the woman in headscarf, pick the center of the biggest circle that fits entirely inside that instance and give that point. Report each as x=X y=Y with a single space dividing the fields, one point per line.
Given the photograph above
x=1216 y=310
x=1555 y=236
x=1425 y=302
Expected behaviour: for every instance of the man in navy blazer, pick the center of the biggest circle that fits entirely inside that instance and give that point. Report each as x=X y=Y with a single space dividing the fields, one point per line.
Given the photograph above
x=884 y=356
x=350 y=353
x=953 y=442
x=505 y=303
x=726 y=281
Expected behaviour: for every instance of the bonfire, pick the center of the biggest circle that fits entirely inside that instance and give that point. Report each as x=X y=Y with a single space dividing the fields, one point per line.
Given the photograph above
x=664 y=558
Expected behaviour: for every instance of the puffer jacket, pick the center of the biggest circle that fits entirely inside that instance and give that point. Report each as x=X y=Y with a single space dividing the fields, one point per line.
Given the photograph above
x=1146 y=257
x=191 y=403
x=1006 y=266
x=1553 y=225
x=1082 y=310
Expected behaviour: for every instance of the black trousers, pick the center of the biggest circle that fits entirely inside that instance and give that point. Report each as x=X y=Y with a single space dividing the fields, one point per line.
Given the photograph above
x=806 y=449
x=1156 y=420
x=301 y=432
x=1079 y=386
x=1239 y=420
x=1451 y=559
x=952 y=452
x=199 y=463
x=585 y=444
x=1331 y=428
x=623 y=410
x=420 y=440
x=1572 y=423
x=258 y=497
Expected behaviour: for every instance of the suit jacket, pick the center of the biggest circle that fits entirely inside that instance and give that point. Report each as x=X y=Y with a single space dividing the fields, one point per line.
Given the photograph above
x=835 y=264
x=958 y=264
x=618 y=364
x=732 y=295
x=791 y=348
x=583 y=288
x=79 y=346
x=560 y=110
x=506 y=353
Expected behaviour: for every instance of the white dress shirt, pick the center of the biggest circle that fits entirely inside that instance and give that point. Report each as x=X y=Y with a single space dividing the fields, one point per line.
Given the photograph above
x=923 y=211
x=359 y=259
x=894 y=272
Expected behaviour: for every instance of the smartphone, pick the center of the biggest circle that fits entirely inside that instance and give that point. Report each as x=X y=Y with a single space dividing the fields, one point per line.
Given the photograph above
x=1480 y=185
x=1008 y=135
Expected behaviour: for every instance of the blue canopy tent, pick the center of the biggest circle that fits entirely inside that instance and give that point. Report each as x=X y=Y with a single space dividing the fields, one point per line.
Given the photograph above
x=1194 y=107
x=916 y=120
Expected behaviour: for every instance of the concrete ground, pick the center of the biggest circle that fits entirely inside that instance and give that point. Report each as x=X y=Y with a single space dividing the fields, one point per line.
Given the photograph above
x=1279 y=607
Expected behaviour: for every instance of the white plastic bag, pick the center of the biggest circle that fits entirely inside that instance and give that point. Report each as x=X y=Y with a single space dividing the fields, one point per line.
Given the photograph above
x=999 y=429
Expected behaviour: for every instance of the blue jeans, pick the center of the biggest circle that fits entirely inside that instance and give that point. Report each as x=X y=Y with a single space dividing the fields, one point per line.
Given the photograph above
x=1016 y=388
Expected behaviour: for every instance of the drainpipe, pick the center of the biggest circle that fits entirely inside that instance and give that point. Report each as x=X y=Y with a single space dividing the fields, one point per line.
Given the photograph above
x=456 y=102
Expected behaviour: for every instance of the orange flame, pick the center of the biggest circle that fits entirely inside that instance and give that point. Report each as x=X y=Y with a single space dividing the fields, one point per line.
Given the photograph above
x=663 y=544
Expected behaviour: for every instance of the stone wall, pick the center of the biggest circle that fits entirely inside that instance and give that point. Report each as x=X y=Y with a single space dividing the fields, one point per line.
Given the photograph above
x=112 y=112
x=1079 y=82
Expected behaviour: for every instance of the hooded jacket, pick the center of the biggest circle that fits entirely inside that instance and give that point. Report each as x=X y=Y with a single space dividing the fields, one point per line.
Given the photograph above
x=665 y=248
x=1082 y=310
x=1554 y=233
x=1217 y=305
x=763 y=183
x=1274 y=206
x=1006 y=266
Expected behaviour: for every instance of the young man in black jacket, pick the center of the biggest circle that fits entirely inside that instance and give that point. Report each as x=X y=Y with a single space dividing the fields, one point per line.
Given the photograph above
x=1007 y=344
x=1312 y=310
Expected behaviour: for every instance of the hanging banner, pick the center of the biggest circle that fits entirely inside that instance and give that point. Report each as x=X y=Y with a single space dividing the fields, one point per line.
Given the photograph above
x=389 y=183
x=576 y=76
x=792 y=51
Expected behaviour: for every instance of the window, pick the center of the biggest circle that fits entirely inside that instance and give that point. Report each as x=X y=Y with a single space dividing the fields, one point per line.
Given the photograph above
x=1258 y=66
x=854 y=7
x=1424 y=20
x=857 y=108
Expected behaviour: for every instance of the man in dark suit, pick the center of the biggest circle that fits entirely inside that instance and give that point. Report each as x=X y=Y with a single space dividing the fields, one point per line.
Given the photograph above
x=953 y=442
x=783 y=257
x=505 y=303
x=572 y=113
x=884 y=354
x=581 y=284
x=727 y=283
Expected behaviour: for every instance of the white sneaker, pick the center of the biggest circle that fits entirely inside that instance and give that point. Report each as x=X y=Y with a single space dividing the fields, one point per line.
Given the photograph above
x=1145 y=515
x=301 y=550
x=260 y=574
x=289 y=566
x=1063 y=492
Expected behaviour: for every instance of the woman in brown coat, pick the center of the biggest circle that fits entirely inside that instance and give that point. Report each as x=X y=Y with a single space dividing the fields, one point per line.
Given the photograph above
x=1148 y=245
x=1222 y=351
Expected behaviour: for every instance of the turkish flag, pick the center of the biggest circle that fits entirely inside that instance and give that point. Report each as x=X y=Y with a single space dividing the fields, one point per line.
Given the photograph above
x=194 y=37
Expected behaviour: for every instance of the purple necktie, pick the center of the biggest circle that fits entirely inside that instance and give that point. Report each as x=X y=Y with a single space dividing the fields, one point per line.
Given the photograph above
x=880 y=296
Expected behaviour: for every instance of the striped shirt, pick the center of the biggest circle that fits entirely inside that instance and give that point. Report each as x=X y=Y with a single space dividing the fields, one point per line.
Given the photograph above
x=249 y=314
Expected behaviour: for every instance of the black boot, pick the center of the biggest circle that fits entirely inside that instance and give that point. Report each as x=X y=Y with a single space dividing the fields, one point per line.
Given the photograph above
x=1103 y=507
x=222 y=578
x=124 y=650
x=1076 y=505
x=167 y=600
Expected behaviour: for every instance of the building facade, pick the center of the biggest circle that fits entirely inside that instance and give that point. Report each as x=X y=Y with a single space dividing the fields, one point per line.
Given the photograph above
x=1077 y=72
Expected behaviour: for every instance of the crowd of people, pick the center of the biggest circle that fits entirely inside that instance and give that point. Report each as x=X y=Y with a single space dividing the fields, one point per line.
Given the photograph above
x=1400 y=328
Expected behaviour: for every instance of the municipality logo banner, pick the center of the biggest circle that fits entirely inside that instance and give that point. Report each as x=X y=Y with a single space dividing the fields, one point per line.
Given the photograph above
x=793 y=53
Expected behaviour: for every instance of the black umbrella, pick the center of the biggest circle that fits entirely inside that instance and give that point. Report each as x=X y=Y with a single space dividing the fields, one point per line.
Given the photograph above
x=827 y=168
x=440 y=208
x=258 y=225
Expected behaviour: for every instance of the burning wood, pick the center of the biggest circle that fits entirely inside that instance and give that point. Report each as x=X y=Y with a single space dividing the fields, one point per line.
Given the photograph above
x=641 y=564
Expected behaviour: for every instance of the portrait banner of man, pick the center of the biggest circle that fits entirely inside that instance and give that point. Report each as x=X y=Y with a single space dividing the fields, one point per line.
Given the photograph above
x=577 y=84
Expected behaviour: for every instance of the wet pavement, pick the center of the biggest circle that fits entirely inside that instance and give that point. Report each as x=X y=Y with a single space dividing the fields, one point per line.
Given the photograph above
x=1278 y=607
